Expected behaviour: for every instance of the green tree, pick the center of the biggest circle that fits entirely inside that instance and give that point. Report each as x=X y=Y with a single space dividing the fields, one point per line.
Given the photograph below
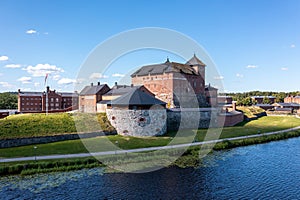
x=266 y=100
x=8 y=101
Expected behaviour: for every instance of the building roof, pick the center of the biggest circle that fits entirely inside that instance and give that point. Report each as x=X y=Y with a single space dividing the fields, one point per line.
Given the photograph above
x=91 y=89
x=166 y=67
x=261 y=97
x=195 y=61
x=287 y=104
x=68 y=94
x=136 y=97
x=209 y=87
x=264 y=105
x=35 y=94
x=120 y=90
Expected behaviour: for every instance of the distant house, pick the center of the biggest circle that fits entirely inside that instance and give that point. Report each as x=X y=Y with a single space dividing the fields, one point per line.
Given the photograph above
x=259 y=99
x=293 y=106
x=292 y=99
x=223 y=100
x=211 y=95
x=35 y=102
x=90 y=95
x=116 y=92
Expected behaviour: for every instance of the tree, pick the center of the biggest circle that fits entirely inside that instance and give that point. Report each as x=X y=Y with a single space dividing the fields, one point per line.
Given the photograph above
x=266 y=100
x=8 y=101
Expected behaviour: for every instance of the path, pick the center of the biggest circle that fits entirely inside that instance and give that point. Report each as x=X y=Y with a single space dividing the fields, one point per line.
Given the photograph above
x=81 y=155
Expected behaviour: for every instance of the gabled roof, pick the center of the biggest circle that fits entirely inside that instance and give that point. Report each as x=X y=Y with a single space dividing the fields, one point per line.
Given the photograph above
x=120 y=90
x=92 y=90
x=208 y=87
x=195 y=61
x=136 y=97
x=166 y=67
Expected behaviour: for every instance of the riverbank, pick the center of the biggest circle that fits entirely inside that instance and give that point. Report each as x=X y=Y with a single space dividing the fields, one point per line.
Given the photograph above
x=190 y=158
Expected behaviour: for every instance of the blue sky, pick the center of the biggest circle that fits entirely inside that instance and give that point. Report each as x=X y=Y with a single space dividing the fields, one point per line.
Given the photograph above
x=255 y=44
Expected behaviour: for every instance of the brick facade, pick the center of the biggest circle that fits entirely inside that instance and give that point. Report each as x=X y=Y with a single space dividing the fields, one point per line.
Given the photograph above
x=31 y=102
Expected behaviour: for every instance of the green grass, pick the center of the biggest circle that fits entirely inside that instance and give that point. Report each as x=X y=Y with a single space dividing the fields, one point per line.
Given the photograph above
x=34 y=125
x=250 y=111
x=261 y=125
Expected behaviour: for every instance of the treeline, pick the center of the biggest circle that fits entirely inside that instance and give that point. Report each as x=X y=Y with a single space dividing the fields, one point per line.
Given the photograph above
x=244 y=99
x=8 y=100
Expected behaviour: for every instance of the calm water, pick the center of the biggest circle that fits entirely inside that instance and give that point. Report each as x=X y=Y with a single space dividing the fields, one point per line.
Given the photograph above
x=266 y=171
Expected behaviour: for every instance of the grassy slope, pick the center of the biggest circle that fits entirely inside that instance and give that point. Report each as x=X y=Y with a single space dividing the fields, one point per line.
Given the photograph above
x=34 y=125
x=261 y=125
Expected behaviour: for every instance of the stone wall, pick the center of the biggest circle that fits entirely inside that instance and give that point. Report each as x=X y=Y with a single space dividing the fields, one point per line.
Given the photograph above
x=190 y=118
x=6 y=143
x=138 y=122
x=230 y=119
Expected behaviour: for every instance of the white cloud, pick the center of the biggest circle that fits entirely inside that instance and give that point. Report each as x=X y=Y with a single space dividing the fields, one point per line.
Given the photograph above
x=97 y=76
x=118 y=75
x=1 y=74
x=12 y=66
x=6 y=85
x=25 y=79
x=293 y=45
x=46 y=33
x=219 y=77
x=36 y=84
x=252 y=66
x=31 y=31
x=284 y=68
x=56 y=77
x=66 y=81
x=3 y=58
x=239 y=75
x=43 y=69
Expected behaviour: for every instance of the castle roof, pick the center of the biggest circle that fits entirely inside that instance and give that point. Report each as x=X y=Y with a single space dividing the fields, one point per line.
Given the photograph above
x=169 y=67
x=195 y=61
x=120 y=90
x=136 y=97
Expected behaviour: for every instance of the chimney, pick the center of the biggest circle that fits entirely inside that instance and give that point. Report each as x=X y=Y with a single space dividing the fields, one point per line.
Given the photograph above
x=92 y=84
x=99 y=83
x=19 y=90
x=48 y=89
x=116 y=84
x=131 y=85
x=234 y=105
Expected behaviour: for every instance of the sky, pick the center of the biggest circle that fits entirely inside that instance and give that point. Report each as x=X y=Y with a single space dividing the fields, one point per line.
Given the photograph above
x=254 y=44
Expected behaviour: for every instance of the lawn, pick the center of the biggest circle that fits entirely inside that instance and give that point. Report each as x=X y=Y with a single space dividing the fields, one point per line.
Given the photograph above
x=261 y=125
x=34 y=125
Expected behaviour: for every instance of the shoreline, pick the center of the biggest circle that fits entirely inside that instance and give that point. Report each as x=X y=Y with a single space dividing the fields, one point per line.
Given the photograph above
x=189 y=159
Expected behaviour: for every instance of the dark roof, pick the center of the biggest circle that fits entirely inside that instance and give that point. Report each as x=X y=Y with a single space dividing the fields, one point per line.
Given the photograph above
x=166 y=67
x=208 y=87
x=195 y=61
x=120 y=90
x=37 y=94
x=264 y=105
x=68 y=94
x=136 y=97
x=90 y=90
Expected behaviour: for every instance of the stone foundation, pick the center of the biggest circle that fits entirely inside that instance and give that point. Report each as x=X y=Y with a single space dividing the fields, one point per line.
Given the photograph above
x=138 y=122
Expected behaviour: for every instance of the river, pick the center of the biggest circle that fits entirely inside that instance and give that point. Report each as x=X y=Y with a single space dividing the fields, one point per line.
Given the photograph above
x=264 y=171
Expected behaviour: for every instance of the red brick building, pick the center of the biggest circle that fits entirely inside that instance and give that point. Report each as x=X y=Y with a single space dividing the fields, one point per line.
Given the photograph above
x=174 y=82
x=31 y=102
x=292 y=99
